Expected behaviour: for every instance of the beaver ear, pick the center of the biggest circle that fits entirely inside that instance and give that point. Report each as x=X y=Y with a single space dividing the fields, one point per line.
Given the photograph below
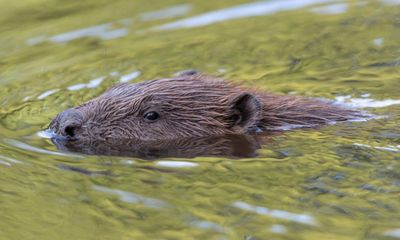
x=247 y=112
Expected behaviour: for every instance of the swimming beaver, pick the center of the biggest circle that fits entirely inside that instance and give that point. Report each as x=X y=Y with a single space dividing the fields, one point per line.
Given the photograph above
x=190 y=105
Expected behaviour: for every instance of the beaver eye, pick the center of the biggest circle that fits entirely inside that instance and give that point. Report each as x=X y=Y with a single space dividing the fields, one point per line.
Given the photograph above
x=151 y=116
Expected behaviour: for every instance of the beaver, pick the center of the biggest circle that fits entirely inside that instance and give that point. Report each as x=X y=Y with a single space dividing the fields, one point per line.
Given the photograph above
x=191 y=104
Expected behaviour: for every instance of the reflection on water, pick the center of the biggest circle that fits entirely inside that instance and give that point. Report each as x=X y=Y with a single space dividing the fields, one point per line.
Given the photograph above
x=174 y=11
x=129 y=77
x=339 y=181
x=109 y=31
x=390 y=148
x=207 y=225
x=331 y=9
x=393 y=233
x=104 y=32
x=240 y=11
x=8 y=161
x=133 y=197
x=21 y=145
x=231 y=146
x=47 y=93
x=91 y=84
x=366 y=102
x=391 y=2
x=280 y=214
x=176 y=164
x=378 y=42
x=279 y=229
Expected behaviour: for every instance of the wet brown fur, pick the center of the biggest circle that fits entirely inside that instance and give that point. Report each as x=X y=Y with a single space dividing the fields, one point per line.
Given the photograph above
x=196 y=106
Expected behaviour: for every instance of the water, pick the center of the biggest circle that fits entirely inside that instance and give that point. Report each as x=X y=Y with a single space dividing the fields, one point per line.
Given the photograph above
x=336 y=182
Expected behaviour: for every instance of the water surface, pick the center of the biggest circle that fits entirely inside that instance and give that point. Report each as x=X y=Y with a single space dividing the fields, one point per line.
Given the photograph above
x=336 y=182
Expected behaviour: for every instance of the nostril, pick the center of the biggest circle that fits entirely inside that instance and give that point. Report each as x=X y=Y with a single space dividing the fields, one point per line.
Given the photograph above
x=70 y=131
x=68 y=123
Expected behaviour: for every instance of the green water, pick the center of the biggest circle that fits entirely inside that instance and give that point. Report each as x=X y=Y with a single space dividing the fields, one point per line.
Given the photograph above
x=336 y=182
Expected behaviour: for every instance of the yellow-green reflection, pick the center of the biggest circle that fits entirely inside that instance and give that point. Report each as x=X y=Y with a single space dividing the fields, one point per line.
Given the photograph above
x=342 y=180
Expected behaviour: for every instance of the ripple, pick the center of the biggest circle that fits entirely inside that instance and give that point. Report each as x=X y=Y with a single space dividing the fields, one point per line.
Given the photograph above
x=202 y=224
x=130 y=197
x=176 y=164
x=170 y=12
x=279 y=214
x=240 y=11
x=288 y=127
x=378 y=42
x=47 y=93
x=391 y=2
x=48 y=134
x=91 y=84
x=331 y=9
x=28 y=147
x=366 y=102
x=278 y=229
x=114 y=74
x=390 y=148
x=130 y=76
x=8 y=161
x=104 y=31
x=393 y=233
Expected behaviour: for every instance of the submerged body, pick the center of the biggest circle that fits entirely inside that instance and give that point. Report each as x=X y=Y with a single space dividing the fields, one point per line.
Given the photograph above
x=191 y=105
x=231 y=146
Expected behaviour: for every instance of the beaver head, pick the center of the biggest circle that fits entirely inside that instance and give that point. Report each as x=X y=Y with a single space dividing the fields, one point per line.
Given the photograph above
x=181 y=107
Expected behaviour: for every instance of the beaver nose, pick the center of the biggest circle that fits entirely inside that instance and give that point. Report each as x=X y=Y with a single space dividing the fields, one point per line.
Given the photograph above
x=69 y=128
x=70 y=122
